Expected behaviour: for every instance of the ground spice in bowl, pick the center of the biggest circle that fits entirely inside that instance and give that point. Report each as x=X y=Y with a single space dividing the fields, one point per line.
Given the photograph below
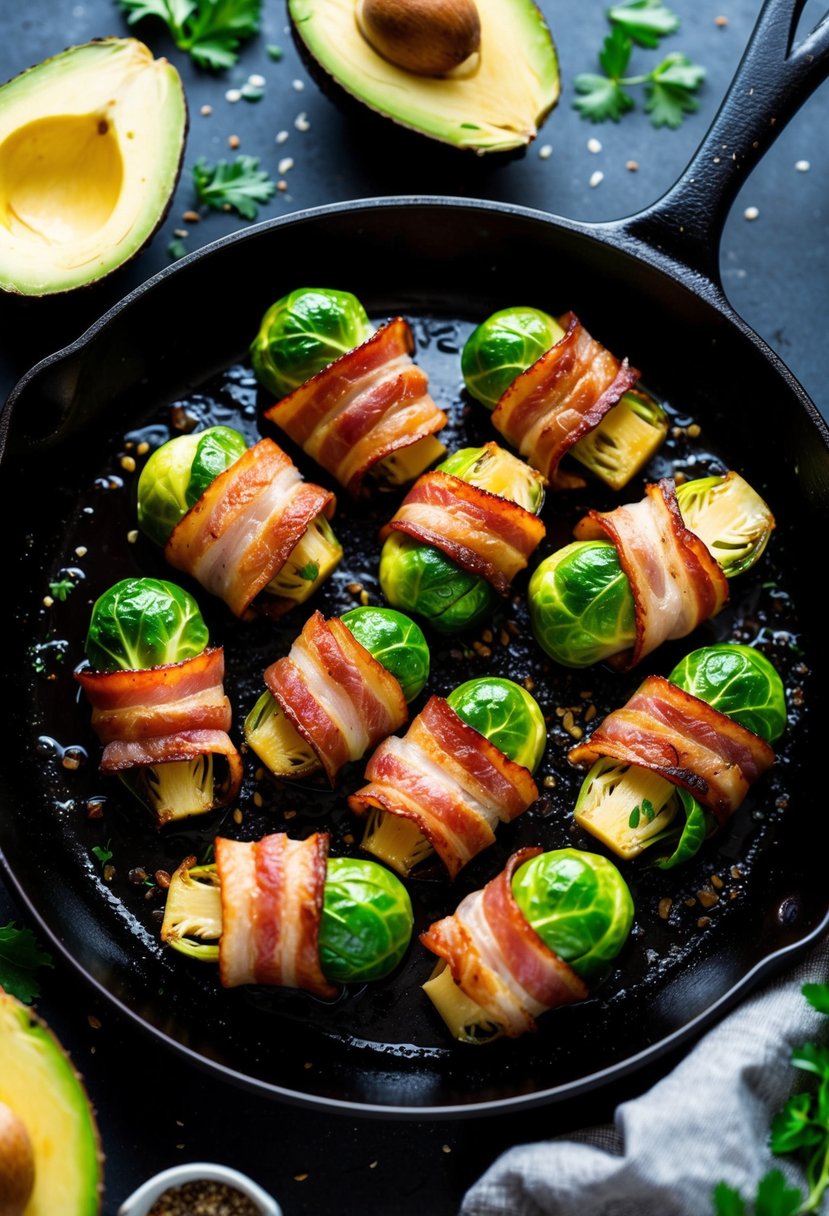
x=204 y=1198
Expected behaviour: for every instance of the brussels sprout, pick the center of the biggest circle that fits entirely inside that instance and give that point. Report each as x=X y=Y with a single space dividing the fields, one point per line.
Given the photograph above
x=502 y=347
x=506 y=714
x=396 y=642
x=313 y=558
x=144 y=622
x=738 y=681
x=729 y=517
x=178 y=473
x=494 y=469
x=366 y=921
x=631 y=809
x=302 y=333
x=624 y=441
x=581 y=606
x=277 y=742
x=579 y=905
x=365 y=928
x=419 y=578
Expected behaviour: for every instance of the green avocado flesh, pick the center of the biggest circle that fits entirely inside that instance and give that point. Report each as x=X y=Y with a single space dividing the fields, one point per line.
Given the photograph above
x=492 y=104
x=91 y=143
x=40 y=1086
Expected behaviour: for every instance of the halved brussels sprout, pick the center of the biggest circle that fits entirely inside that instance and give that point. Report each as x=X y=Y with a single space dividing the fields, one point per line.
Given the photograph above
x=313 y=558
x=630 y=809
x=277 y=742
x=303 y=332
x=396 y=642
x=624 y=441
x=366 y=921
x=502 y=347
x=144 y=622
x=404 y=466
x=506 y=714
x=581 y=607
x=365 y=927
x=419 y=578
x=493 y=468
x=579 y=905
x=179 y=788
x=465 y=1020
x=730 y=517
x=177 y=474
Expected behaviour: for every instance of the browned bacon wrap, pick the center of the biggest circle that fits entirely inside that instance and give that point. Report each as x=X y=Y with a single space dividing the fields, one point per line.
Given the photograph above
x=684 y=740
x=675 y=581
x=336 y=694
x=562 y=397
x=498 y=960
x=163 y=714
x=272 y=893
x=449 y=780
x=244 y=527
x=481 y=532
x=365 y=405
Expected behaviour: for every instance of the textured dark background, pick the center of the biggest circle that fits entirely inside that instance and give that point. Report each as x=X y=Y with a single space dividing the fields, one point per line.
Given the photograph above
x=154 y=1111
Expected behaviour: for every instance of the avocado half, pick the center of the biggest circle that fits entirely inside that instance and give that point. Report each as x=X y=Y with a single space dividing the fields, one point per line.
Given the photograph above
x=496 y=105
x=39 y=1085
x=91 y=144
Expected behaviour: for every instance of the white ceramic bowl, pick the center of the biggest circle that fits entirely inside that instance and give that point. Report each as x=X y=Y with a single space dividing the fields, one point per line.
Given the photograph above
x=140 y=1201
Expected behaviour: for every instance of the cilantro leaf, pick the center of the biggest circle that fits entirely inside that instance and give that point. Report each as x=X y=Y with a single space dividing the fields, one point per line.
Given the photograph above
x=614 y=56
x=727 y=1201
x=102 y=852
x=62 y=589
x=792 y=1127
x=633 y=820
x=20 y=955
x=238 y=185
x=209 y=30
x=644 y=21
x=775 y=1197
x=818 y=996
x=600 y=98
x=309 y=571
x=670 y=89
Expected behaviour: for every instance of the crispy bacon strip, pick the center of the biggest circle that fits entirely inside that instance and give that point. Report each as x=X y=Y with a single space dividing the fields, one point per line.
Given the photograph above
x=675 y=581
x=498 y=959
x=481 y=532
x=365 y=405
x=449 y=780
x=272 y=893
x=337 y=695
x=244 y=527
x=562 y=397
x=683 y=739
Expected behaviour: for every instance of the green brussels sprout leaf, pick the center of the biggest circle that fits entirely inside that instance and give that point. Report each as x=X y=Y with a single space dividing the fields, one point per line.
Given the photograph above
x=494 y=469
x=698 y=824
x=730 y=518
x=738 y=681
x=177 y=474
x=218 y=448
x=366 y=921
x=502 y=347
x=396 y=642
x=506 y=714
x=144 y=622
x=419 y=578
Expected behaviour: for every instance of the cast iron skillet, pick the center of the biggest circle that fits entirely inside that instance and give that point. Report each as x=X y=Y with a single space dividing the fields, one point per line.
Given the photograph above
x=648 y=287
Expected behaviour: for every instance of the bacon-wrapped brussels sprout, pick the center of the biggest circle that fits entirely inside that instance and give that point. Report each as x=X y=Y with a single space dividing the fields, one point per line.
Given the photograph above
x=451 y=549
x=350 y=396
x=465 y=764
x=338 y=920
x=158 y=700
x=608 y=427
x=240 y=520
x=663 y=570
x=344 y=686
x=679 y=758
x=536 y=937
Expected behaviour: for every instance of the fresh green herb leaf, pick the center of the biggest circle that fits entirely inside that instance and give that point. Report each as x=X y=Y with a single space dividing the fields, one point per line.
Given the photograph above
x=670 y=90
x=633 y=821
x=20 y=956
x=62 y=589
x=103 y=852
x=727 y=1201
x=208 y=854
x=644 y=21
x=648 y=810
x=176 y=249
x=600 y=98
x=309 y=571
x=818 y=996
x=275 y=52
x=775 y=1197
x=792 y=1128
x=238 y=185
x=209 y=30
x=614 y=56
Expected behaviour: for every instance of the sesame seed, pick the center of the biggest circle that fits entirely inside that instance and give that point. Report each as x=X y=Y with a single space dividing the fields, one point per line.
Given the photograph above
x=233 y=141
x=233 y=95
x=632 y=166
x=364 y=597
x=281 y=136
x=258 y=800
x=257 y=81
x=703 y=922
x=284 y=165
x=372 y=1165
x=143 y=448
x=181 y=233
x=549 y=782
x=596 y=178
x=237 y=815
x=128 y=464
x=545 y=151
x=694 y=430
x=300 y=1177
x=707 y=898
x=206 y=111
x=722 y=22
x=298 y=85
x=282 y=184
x=132 y=536
x=751 y=213
x=94 y=1022
x=445 y=1148
x=802 y=166
x=594 y=145
x=81 y=551
x=301 y=122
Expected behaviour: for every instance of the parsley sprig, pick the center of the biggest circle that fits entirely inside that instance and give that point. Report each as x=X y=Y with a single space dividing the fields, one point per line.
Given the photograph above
x=239 y=185
x=669 y=88
x=20 y=956
x=800 y=1129
x=209 y=30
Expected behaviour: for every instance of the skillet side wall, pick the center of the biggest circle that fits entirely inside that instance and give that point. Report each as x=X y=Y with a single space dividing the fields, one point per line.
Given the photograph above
x=457 y=261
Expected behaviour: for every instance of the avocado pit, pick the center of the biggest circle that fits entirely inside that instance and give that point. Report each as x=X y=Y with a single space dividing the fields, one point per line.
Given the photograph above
x=17 y=1163
x=429 y=37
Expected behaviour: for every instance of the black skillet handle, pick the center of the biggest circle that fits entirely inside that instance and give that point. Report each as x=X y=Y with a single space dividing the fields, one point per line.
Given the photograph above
x=772 y=82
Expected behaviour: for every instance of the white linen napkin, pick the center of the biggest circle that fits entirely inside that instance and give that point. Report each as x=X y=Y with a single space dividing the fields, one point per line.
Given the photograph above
x=708 y=1120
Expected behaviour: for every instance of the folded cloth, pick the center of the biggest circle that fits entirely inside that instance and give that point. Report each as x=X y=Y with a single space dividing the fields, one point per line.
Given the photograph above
x=706 y=1121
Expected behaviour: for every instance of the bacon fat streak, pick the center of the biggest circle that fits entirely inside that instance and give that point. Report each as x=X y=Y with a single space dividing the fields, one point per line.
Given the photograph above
x=370 y=402
x=683 y=739
x=498 y=960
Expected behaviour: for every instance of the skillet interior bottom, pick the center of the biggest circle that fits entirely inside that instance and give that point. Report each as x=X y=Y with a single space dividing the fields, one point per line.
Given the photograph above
x=382 y=1047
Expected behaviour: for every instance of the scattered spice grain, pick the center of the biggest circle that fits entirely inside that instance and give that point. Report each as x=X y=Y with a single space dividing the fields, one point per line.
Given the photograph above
x=665 y=906
x=204 y=1198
